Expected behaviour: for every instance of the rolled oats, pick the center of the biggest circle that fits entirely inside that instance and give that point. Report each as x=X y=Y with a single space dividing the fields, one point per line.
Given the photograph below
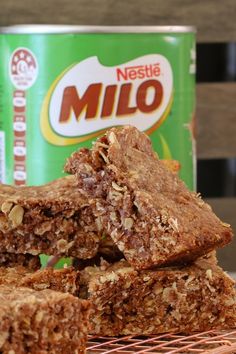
x=16 y=215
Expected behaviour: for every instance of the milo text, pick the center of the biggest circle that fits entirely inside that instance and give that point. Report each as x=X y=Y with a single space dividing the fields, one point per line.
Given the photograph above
x=108 y=96
x=89 y=101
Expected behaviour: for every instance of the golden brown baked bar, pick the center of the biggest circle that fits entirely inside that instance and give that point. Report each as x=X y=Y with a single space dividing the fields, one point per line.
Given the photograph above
x=53 y=219
x=64 y=280
x=26 y=260
x=41 y=322
x=146 y=209
x=198 y=297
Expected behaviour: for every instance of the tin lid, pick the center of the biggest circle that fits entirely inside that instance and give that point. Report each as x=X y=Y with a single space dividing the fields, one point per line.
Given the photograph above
x=62 y=29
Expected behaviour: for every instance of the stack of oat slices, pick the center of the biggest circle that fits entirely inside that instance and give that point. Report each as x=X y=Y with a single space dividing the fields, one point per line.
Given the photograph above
x=168 y=280
x=142 y=246
x=40 y=311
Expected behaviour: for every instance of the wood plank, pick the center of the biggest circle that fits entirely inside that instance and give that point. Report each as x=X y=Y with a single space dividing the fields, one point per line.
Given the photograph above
x=215 y=20
x=216 y=114
x=225 y=208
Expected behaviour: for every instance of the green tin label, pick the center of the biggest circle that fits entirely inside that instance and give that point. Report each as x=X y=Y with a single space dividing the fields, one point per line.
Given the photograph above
x=61 y=91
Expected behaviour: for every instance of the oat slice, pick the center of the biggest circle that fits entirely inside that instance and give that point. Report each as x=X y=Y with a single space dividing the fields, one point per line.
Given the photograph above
x=54 y=219
x=65 y=280
x=199 y=297
x=42 y=321
x=146 y=209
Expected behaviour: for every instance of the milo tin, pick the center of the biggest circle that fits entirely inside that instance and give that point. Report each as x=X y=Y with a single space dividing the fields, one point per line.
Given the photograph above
x=63 y=86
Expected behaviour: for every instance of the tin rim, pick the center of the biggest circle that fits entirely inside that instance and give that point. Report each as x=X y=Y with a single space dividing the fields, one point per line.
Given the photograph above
x=70 y=29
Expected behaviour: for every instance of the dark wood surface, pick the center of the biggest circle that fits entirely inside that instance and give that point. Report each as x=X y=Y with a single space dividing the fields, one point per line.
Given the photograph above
x=216 y=120
x=226 y=209
x=215 y=20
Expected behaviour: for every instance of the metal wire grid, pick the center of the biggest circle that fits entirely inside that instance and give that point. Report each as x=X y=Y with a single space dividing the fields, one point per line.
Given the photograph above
x=211 y=342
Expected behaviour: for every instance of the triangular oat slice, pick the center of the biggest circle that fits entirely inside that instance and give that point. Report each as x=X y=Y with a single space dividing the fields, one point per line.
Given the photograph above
x=146 y=209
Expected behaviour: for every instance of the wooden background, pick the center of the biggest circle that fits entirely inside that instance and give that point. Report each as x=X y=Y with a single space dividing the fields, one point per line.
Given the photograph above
x=216 y=102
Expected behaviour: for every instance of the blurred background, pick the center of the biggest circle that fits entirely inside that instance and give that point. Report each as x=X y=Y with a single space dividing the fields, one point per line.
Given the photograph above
x=216 y=76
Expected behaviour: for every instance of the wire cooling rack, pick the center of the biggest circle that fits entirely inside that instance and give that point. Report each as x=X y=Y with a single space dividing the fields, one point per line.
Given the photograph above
x=211 y=342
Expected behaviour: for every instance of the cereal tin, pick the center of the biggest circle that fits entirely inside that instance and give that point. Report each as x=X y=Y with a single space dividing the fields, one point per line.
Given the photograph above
x=62 y=86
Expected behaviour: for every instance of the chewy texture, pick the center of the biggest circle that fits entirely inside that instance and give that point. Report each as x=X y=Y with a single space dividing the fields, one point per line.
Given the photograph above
x=53 y=219
x=198 y=297
x=65 y=280
x=40 y=322
x=146 y=209
x=25 y=260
